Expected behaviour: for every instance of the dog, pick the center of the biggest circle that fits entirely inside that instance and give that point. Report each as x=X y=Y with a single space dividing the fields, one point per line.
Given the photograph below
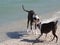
x=30 y=17
x=47 y=27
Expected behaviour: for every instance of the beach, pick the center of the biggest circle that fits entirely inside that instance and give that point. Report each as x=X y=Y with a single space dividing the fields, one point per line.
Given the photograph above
x=29 y=39
x=13 y=21
x=16 y=34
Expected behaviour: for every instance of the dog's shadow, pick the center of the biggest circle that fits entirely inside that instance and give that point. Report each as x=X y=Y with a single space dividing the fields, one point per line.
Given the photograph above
x=32 y=41
x=16 y=35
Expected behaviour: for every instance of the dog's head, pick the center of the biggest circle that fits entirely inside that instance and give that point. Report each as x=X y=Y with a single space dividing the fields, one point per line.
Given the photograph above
x=39 y=25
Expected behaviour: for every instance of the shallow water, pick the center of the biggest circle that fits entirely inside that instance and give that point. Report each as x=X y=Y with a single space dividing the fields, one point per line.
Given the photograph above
x=11 y=10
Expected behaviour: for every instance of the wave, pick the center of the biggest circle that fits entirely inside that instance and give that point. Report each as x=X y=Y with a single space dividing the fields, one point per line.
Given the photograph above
x=54 y=17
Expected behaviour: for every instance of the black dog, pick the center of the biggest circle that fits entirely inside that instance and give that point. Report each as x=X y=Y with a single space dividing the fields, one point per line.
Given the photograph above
x=30 y=17
x=47 y=27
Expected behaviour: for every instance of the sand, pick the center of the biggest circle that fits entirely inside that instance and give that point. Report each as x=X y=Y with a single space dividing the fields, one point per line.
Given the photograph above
x=15 y=34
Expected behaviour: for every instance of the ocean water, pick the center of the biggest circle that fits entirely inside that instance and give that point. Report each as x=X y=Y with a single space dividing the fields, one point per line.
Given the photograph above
x=11 y=10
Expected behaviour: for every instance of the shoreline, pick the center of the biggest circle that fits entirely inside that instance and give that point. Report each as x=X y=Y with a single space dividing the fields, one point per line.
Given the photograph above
x=28 y=40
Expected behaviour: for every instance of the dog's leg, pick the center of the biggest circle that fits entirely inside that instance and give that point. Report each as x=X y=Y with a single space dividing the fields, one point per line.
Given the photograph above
x=45 y=36
x=35 y=25
x=27 y=23
x=31 y=25
x=53 y=32
x=54 y=37
x=39 y=36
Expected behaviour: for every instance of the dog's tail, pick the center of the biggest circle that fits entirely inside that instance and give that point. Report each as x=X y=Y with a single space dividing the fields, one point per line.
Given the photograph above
x=24 y=8
x=56 y=22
